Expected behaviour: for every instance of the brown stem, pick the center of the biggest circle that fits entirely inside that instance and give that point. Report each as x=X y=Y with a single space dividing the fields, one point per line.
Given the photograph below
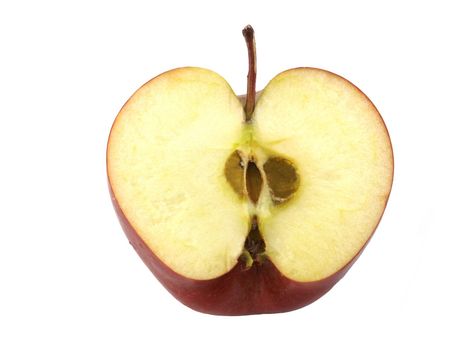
x=249 y=35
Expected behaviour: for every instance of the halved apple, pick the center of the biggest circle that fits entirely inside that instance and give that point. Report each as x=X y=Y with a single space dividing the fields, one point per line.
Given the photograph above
x=256 y=210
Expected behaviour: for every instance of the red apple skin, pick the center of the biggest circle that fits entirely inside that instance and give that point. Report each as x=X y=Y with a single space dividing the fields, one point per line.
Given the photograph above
x=258 y=290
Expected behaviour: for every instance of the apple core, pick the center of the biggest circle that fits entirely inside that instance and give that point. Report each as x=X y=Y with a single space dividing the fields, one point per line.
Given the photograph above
x=247 y=181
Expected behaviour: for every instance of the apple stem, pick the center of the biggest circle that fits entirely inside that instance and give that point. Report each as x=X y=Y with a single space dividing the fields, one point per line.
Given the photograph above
x=249 y=35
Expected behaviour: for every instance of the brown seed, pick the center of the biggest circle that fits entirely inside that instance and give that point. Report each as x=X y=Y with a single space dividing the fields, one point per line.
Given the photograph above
x=254 y=182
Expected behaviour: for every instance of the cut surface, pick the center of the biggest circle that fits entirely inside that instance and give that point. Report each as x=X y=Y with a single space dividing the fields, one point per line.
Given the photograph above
x=166 y=157
x=340 y=148
x=303 y=185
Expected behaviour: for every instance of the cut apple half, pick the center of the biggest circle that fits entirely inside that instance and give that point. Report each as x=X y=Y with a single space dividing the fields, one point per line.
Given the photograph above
x=234 y=208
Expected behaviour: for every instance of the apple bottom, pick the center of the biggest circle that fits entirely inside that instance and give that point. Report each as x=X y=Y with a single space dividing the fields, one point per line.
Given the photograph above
x=259 y=289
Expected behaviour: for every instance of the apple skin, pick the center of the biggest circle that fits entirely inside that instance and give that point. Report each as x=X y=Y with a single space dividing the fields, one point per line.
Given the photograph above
x=258 y=290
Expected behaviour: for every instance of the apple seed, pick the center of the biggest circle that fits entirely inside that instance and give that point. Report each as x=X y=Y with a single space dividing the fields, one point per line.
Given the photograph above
x=254 y=181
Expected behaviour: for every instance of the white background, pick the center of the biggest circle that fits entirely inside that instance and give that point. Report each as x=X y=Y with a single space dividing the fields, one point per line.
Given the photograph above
x=68 y=277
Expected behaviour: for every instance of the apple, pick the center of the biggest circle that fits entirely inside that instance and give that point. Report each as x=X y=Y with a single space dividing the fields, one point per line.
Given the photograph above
x=255 y=207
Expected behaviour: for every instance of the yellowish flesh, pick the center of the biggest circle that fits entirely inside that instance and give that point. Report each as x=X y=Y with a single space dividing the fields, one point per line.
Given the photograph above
x=166 y=159
x=339 y=144
x=170 y=143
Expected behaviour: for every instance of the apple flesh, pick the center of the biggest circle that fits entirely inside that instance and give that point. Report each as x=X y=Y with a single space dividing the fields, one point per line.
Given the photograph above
x=243 y=215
